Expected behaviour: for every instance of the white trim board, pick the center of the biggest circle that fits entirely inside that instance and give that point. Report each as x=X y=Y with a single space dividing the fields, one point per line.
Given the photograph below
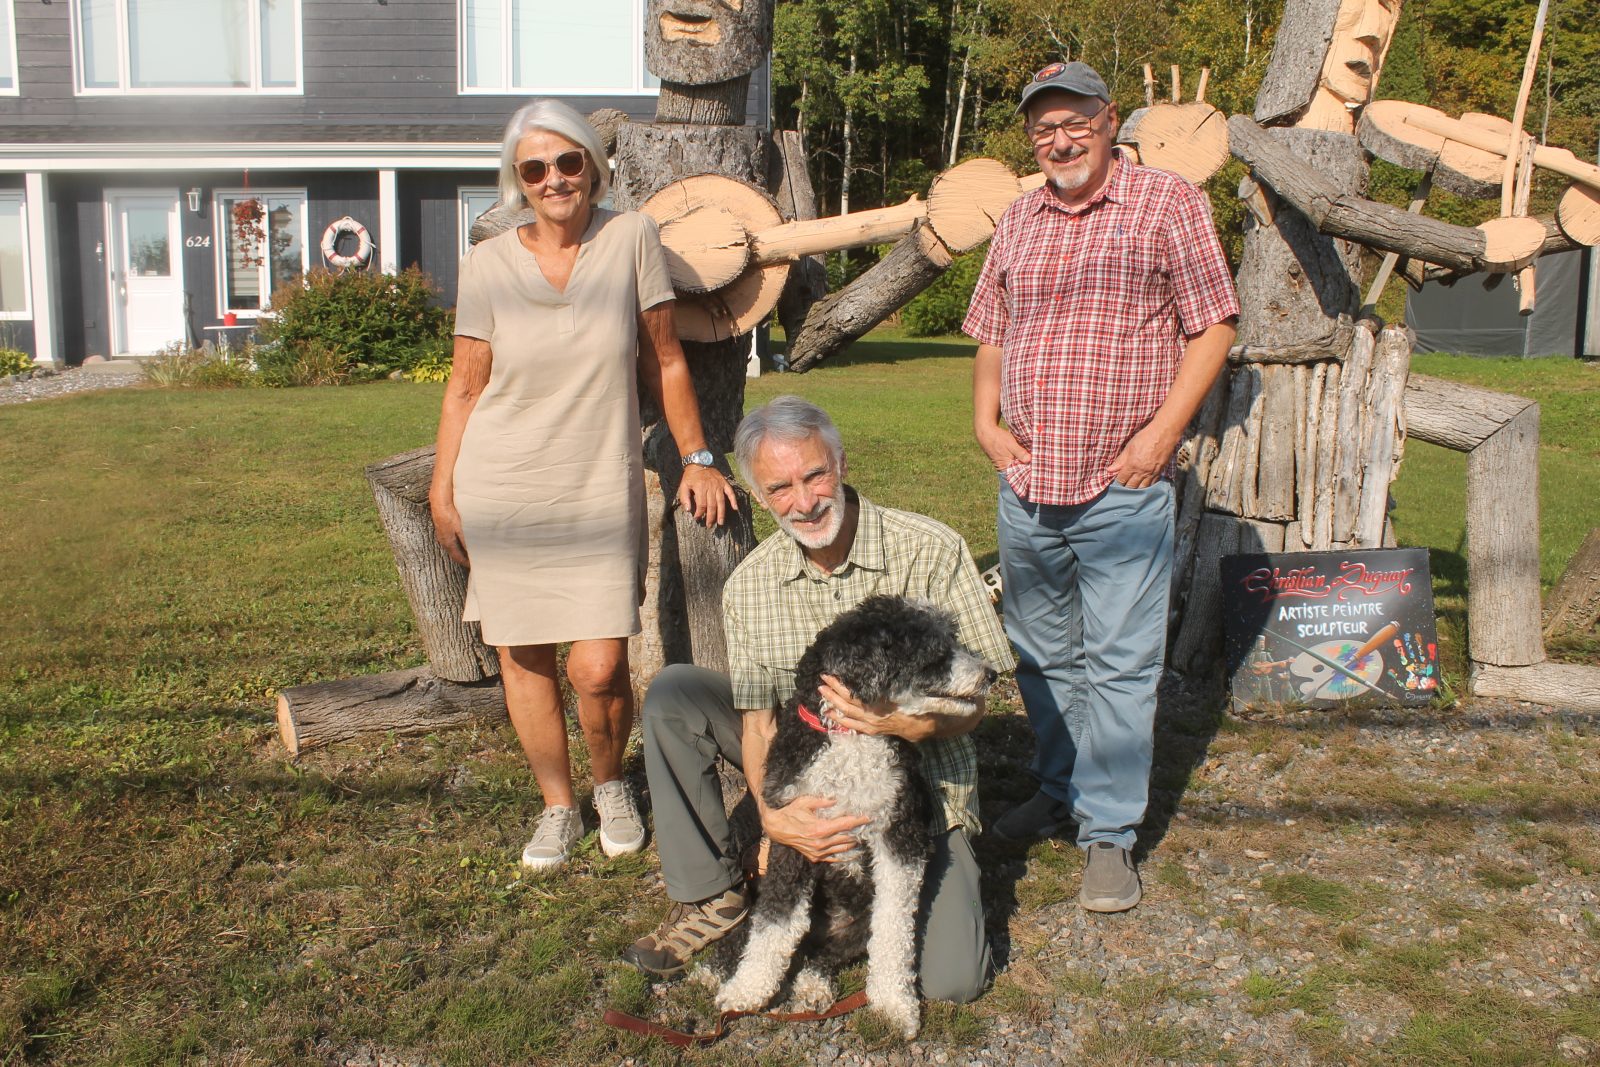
x=394 y=155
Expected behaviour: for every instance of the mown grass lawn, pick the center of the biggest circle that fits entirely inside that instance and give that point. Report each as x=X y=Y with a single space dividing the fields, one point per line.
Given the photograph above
x=172 y=888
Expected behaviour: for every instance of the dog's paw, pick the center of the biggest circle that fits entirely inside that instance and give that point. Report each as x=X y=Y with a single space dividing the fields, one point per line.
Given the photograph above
x=812 y=991
x=736 y=998
x=903 y=1013
x=707 y=978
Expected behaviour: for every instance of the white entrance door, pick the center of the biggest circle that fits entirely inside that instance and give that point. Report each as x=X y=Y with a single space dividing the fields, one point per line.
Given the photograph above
x=146 y=271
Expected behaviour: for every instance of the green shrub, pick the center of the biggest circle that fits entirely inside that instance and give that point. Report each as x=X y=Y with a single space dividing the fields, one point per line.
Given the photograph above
x=282 y=365
x=940 y=308
x=178 y=366
x=372 y=324
x=14 y=362
x=434 y=362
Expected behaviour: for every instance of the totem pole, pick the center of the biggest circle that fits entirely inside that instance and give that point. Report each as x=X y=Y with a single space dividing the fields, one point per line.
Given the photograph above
x=1295 y=448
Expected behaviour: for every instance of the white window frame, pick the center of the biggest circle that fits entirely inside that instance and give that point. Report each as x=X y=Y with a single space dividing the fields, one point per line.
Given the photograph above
x=505 y=88
x=464 y=209
x=11 y=43
x=255 y=88
x=18 y=197
x=222 y=223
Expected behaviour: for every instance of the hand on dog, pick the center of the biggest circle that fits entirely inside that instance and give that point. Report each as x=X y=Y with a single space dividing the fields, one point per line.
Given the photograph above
x=706 y=494
x=800 y=825
x=882 y=718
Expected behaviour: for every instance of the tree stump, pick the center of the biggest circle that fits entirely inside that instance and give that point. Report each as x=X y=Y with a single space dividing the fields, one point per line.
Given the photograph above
x=1573 y=606
x=435 y=584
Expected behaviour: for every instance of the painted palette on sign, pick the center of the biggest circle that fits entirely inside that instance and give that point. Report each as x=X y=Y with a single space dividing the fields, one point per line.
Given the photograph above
x=1325 y=627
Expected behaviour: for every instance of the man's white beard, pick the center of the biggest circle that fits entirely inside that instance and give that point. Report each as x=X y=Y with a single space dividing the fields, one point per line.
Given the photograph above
x=820 y=538
x=1075 y=177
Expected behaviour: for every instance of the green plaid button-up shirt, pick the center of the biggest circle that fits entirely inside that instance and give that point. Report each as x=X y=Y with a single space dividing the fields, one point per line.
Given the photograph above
x=776 y=601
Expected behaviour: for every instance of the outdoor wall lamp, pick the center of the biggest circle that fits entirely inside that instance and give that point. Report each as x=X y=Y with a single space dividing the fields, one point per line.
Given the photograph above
x=193 y=197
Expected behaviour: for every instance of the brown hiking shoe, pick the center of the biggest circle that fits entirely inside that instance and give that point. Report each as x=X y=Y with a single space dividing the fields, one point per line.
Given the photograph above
x=687 y=929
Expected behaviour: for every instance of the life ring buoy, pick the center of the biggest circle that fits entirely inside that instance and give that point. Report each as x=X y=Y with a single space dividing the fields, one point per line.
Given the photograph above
x=330 y=243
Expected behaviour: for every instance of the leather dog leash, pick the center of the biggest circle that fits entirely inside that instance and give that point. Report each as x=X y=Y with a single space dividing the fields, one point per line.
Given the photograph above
x=623 y=1021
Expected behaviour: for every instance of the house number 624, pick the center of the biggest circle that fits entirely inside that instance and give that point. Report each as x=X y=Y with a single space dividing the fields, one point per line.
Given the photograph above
x=197 y=242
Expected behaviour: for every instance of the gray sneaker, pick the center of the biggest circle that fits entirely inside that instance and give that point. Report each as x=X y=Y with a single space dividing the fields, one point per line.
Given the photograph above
x=558 y=830
x=621 y=828
x=1110 y=880
x=1039 y=816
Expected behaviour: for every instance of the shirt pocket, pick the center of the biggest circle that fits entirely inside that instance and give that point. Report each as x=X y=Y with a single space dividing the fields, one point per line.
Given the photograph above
x=1118 y=262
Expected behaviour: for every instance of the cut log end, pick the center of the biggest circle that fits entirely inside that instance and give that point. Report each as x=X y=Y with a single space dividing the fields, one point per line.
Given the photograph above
x=1579 y=214
x=1511 y=242
x=965 y=202
x=286 y=730
x=1190 y=140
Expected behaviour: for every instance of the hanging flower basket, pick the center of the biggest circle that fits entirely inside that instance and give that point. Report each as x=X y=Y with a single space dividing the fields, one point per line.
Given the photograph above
x=249 y=231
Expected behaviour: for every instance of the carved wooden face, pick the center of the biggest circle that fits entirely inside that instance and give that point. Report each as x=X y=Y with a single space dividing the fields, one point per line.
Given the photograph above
x=1361 y=34
x=702 y=42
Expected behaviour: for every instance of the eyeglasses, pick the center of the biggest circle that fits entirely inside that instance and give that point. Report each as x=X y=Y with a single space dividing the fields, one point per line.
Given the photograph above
x=1077 y=129
x=535 y=171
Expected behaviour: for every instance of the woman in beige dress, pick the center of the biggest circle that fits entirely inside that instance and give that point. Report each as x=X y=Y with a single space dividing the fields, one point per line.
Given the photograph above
x=538 y=483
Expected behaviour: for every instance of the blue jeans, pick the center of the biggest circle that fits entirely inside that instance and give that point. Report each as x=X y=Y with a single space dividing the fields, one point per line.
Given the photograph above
x=1085 y=590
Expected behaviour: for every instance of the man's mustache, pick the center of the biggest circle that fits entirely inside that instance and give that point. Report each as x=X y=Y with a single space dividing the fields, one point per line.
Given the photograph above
x=1071 y=155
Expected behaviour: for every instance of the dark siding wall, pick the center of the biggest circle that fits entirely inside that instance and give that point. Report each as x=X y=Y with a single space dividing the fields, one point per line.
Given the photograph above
x=365 y=63
x=79 y=216
x=430 y=222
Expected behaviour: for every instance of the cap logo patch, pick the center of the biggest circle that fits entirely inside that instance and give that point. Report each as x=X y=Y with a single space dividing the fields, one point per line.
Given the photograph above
x=1049 y=72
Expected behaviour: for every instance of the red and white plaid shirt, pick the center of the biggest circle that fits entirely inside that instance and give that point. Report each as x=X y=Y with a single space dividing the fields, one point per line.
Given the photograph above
x=1092 y=307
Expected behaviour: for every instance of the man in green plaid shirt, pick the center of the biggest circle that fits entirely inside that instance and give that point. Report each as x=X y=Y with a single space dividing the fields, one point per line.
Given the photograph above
x=836 y=549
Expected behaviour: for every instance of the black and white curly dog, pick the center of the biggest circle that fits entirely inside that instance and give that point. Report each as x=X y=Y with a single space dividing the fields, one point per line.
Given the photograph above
x=804 y=925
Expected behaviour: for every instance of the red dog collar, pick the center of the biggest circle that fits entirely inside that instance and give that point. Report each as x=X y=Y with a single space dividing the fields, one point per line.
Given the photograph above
x=821 y=723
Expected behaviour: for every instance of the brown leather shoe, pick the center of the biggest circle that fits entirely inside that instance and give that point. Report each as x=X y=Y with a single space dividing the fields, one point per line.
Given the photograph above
x=687 y=929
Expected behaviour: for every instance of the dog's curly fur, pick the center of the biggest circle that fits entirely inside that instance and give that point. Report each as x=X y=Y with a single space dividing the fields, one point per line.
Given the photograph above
x=806 y=922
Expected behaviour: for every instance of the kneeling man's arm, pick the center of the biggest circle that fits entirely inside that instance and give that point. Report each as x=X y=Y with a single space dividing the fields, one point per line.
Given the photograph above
x=800 y=823
x=887 y=718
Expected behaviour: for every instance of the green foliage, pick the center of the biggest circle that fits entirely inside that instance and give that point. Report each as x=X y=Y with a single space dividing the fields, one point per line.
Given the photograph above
x=352 y=326
x=434 y=364
x=282 y=365
x=13 y=361
x=940 y=308
x=178 y=366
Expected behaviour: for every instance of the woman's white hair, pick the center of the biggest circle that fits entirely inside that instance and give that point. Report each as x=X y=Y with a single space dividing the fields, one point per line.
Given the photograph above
x=554 y=117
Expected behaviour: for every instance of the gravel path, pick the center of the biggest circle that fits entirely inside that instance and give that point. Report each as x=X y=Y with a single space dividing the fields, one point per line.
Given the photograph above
x=72 y=380
x=1379 y=887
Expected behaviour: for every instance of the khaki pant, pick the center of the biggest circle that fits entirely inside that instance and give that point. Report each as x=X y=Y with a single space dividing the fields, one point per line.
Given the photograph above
x=688 y=721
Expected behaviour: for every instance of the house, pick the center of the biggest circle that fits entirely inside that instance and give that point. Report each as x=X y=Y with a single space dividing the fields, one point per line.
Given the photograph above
x=165 y=164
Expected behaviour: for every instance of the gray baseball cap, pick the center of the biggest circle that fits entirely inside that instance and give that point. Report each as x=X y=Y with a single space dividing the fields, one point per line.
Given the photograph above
x=1079 y=78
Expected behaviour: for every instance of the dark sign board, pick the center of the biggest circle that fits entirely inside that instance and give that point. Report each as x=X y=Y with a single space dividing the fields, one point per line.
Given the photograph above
x=1325 y=627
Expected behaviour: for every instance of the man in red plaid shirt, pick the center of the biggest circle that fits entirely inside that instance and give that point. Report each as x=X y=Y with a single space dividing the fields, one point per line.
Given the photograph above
x=1103 y=314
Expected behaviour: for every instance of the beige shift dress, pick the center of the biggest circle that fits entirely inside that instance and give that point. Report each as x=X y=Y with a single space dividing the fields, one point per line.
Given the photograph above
x=550 y=478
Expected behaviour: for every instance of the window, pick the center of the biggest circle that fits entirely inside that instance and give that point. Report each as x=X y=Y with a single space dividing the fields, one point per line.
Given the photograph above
x=474 y=202
x=187 y=46
x=262 y=246
x=536 y=46
x=14 y=282
x=8 y=50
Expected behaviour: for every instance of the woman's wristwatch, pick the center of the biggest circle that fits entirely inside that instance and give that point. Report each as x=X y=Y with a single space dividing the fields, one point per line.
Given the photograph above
x=700 y=457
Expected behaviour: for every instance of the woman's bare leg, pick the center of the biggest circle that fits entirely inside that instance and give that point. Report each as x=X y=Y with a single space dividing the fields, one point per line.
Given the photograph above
x=533 y=699
x=598 y=671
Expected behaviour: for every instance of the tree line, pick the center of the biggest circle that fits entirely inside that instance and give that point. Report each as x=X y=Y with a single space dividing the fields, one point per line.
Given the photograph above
x=887 y=93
